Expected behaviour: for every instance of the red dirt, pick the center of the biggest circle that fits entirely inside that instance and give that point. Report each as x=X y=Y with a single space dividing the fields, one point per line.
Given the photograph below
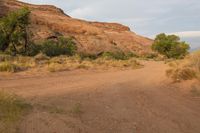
x=130 y=101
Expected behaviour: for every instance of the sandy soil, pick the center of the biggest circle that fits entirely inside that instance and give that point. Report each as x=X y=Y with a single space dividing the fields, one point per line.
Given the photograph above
x=130 y=101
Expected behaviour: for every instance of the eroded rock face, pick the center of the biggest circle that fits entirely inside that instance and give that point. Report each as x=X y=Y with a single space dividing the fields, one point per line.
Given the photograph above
x=91 y=37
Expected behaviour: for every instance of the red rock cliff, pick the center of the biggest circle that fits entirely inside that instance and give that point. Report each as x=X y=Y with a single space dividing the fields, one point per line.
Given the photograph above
x=91 y=37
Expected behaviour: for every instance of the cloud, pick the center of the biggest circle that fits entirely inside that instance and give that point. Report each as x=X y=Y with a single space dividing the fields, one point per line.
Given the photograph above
x=191 y=37
x=81 y=12
x=187 y=34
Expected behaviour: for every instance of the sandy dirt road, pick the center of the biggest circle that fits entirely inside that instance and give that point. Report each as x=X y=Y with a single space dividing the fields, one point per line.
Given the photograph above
x=129 y=101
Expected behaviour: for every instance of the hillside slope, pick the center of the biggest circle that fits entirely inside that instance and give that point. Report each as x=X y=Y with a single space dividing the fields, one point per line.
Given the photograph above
x=91 y=37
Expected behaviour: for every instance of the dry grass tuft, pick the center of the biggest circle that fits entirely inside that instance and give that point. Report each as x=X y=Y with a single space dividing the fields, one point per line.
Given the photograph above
x=11 y=110
x=41 y=58
x=77 y=109
x=56 y=67
x=8 y=67
x=179 y=74
x=5 y=57
x=186 y=69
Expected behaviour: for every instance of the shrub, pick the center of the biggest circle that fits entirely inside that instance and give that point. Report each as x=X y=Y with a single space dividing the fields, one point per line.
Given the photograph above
x=186 y=69
x=41 y=57
x=150 y=55
x=131 y=54
x=64 y=46
x=181 y=73
x=56 y=67
x=88 y=56
x=5 y=57
x=11 y=110
x=77 y=109
x=50 y=48
x=33 y=50
x=8 y=67
x=186 y=74
x=118 y=55
x=24 y=62
x=170 y=46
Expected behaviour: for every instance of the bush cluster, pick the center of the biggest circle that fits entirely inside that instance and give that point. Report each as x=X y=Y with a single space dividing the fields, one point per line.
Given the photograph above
x=64 y=46
x=51 y=48
x=170 y=46
x=118 y=55
x=13 y=31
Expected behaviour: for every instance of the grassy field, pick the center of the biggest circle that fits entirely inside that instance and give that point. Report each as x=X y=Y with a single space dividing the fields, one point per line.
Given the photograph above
x=63 y=63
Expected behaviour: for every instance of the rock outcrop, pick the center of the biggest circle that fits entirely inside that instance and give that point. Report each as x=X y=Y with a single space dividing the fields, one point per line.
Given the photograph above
x=91 y=37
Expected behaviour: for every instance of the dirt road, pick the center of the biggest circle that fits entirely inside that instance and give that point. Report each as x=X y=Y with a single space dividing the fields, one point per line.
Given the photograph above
x=130 y=101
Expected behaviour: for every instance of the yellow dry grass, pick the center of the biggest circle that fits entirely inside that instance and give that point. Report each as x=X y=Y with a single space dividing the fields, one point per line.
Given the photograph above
x=12 y=108
x=63 y=63
x=69 y=63
x=186 y=69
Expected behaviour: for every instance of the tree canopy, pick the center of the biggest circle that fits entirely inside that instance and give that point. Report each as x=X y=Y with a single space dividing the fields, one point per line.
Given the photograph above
x=170 y=46
x=13 y=30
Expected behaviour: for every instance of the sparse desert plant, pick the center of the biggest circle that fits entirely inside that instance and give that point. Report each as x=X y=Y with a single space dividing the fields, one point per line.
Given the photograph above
x=56 y=67
x=9 y=67
x=53 y=109
x=12 y=109
x=87 y=56
x=77 y=109
x=120 y=64
x=56 y=110
x=41 y=57
x=135 y=64
x=131 y=55
x=116 y=55
x=24 y=62
x=5 y=57
x=181 y=73
x=15 y=64
x=33 y=49
x=150 y=55
x=82 y=66
x=185 y=69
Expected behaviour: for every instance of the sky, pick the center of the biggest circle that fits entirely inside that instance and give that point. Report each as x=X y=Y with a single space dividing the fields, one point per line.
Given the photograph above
x=145 y=17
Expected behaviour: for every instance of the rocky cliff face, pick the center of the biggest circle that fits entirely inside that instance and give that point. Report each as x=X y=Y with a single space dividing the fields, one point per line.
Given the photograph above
x=91 y=37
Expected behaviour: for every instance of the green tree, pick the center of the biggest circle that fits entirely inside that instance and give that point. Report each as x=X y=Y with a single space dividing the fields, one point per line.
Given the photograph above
x=170 y=46
x=13 y=29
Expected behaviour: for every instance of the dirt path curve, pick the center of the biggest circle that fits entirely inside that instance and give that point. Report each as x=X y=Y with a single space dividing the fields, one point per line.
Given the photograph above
x=130 y=101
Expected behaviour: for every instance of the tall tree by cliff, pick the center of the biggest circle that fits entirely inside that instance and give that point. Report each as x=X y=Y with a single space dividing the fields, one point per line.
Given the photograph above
x=13 y=30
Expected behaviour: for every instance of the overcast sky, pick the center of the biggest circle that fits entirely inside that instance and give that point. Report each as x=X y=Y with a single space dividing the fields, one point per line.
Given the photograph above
x=145 y=17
